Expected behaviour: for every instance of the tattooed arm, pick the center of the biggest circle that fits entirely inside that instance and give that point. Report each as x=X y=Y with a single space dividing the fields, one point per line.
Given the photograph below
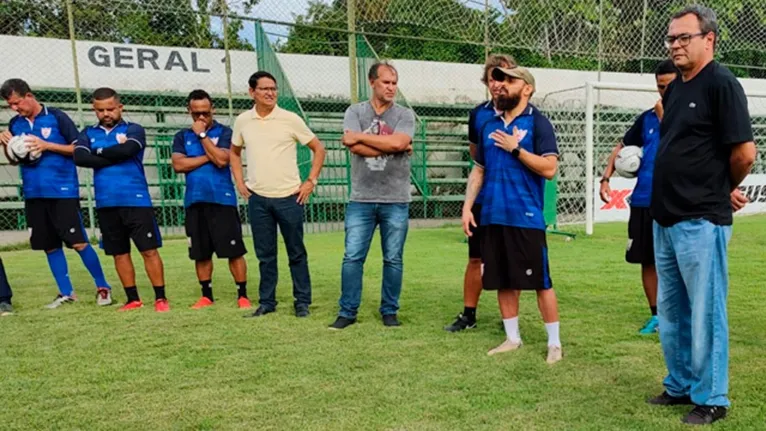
x=475 y=181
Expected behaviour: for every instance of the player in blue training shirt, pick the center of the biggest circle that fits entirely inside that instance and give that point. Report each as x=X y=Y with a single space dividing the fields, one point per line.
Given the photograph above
x=515 y=154
x=212 y=215
x=644 y=133
x=115 y=150
x=51 y=189
x=479 y=116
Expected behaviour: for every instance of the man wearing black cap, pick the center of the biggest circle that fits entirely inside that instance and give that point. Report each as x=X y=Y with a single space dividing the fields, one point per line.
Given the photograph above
x=516 y=153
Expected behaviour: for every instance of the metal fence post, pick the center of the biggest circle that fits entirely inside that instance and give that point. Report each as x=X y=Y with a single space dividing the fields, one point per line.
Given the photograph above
x=589 y=143
x=352 y=66
x=227 y=60
x=643 y=37
x=80 y=117
x=600 y=37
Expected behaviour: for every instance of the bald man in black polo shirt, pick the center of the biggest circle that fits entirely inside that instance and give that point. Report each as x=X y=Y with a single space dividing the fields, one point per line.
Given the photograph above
x=706 y=150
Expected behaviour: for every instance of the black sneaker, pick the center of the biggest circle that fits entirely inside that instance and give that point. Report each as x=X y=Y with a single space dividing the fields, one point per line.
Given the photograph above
x=302 y=312
x=705 y=415
x=665 y=399
x=462 y=322
x=260 y=311
x=390 y=320
x=342 y=323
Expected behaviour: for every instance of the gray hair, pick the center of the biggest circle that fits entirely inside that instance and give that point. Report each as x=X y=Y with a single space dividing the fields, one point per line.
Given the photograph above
x=375 y=68
x=705 y=16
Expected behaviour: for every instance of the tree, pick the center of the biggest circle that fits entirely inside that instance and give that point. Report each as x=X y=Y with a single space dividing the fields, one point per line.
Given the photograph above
x=572 y=34
x=151 y=22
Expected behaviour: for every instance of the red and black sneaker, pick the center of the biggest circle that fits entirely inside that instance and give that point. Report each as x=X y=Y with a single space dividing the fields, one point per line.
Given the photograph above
x=131 y=305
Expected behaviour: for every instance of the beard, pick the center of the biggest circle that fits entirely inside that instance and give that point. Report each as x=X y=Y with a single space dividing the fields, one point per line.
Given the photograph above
x=508 y=102
x=109 y=122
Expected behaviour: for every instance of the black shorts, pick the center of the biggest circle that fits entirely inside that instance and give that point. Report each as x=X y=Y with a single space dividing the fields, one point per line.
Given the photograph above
x=214 y=228
x=54 y=221
x=121 y=224
x=474 y=242
x=515 y=258
x=640 y=247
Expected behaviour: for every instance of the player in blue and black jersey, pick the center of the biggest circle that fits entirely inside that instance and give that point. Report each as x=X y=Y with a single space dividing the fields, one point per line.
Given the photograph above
x=114 y=148
x=51 y=189
x=201 y=152
x=478 y=116
x=644 y=133
x=515 y=155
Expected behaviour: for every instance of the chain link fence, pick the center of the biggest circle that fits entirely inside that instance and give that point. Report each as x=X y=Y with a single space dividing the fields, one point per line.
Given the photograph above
x=155 y=51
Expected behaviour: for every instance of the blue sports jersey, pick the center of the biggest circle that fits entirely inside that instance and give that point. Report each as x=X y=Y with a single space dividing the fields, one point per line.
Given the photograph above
x=55 y=175
x=208 y=183
x=513 y=193
x=645 y=133
x=479 y=116
x=121 y=184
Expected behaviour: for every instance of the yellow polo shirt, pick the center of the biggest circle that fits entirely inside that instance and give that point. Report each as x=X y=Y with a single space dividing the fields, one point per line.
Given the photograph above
x=271 y=150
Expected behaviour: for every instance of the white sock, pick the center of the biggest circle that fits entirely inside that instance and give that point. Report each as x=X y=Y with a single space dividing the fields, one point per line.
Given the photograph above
x=512 y=329
x=553 y=334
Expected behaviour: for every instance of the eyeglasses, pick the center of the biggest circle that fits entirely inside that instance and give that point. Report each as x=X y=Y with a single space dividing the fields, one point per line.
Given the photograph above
x=267 y=89
x=201 y=114
x=683 y=39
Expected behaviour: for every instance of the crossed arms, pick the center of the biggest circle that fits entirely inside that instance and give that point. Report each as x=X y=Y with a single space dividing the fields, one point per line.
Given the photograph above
x=366 y=145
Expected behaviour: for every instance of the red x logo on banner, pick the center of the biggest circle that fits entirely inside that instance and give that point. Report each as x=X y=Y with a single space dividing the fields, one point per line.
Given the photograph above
x=617 y=200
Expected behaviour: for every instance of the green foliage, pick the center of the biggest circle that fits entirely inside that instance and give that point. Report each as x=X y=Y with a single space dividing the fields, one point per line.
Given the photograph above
x=543 y=33
x=151 y=22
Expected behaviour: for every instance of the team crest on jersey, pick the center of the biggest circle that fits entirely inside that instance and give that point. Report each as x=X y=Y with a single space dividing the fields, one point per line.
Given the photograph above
x=120 y=137
x=522 y=134
x=46 y=132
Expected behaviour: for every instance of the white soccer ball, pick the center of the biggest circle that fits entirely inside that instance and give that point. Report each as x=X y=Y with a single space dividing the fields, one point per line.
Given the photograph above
x=628 y=161
x=19 y=152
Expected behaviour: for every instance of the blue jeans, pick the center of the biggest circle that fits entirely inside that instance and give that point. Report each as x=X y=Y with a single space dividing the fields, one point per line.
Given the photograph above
x=692 y=269
x=265 y=215
x=361 y=220
x=5 y=287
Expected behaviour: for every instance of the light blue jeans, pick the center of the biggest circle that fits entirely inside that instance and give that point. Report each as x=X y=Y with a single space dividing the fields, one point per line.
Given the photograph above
x=693 y=277
x=361 y=221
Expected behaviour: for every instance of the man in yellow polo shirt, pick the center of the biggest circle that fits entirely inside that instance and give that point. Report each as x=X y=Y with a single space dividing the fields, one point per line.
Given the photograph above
x=273 y=188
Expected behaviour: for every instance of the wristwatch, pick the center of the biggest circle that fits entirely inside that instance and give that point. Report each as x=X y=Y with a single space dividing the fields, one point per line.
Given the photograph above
x=202 y=135
x=603 y=179
x=515 y=152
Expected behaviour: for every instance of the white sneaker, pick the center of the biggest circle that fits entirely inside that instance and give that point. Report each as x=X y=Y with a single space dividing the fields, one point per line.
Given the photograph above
x=103 y=297
x=61 y=300
x=507 y=346
x=554 y=354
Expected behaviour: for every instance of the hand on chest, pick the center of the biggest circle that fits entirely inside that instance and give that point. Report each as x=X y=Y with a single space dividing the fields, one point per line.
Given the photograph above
x=194 y=146
x=500 y=140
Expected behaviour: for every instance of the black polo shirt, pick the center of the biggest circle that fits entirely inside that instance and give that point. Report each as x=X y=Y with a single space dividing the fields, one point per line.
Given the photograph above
x=703 y=119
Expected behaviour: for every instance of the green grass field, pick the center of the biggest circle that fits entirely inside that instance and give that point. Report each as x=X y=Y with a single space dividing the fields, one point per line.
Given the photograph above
x=83 y=367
